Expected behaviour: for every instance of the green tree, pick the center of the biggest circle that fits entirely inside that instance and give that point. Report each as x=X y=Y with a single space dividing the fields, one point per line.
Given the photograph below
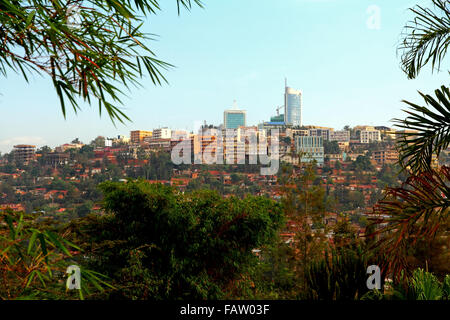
x=331 y=147
x=304 y=204
x=157 y=243
x=339 y=275
x=84 y=209
x=98 y=142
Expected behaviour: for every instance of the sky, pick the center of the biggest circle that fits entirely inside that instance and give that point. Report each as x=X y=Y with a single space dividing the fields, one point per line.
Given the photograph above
x=345 y=63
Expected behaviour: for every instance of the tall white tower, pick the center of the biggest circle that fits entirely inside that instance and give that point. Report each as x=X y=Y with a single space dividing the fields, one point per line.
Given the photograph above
x=292 y=106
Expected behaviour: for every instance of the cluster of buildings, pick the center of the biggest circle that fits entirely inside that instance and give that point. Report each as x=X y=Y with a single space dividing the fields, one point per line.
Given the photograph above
x=235 y=142
x=234 y=137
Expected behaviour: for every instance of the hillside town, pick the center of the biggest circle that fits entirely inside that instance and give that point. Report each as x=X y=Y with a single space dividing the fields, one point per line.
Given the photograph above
x=352 y=165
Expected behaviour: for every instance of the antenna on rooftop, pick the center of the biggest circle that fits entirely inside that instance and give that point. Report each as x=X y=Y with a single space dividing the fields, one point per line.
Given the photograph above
x=234 y=104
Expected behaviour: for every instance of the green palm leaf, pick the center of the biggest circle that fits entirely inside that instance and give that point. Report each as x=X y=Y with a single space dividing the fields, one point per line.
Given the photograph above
x=411 y=212
x=429 y=131
x=426 y=38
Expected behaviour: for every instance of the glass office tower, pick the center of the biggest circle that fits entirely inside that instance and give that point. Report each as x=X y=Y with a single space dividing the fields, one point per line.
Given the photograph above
x=233 y=119
x=292 y=107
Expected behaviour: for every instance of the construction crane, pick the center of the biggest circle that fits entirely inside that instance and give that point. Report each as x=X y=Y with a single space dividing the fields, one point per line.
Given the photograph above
x=278 y=110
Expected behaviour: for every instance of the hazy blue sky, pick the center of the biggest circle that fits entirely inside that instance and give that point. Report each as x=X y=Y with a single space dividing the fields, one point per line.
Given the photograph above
x=243 y=49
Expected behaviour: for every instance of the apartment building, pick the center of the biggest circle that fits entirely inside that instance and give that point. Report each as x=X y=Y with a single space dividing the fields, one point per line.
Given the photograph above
x=138 y=136
x=340 y=136
x=162 y=133
x=24 y=153
x=385 y=156
x=367 y=136
x=318 y=132
x=310 y=148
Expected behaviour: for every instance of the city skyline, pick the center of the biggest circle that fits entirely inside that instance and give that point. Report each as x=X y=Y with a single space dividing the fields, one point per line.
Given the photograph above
x=346 y=80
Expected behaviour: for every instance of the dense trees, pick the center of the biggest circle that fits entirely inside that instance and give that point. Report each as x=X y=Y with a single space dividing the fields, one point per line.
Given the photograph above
x=159 y=244
x=305 y=208
x=331 y=147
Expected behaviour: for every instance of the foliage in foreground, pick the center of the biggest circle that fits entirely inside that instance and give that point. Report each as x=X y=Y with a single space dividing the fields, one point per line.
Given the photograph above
x=88 y=48
x=415 y=211
x=421 y=285
x=426 y=38
x=340 y=275
x=427 y=131
x=419 y=210
x=157 y=243
x=34 y=259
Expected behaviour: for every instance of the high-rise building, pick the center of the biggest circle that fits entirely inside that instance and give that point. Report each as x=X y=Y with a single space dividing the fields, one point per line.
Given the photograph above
x=233 y=119
x=292 y=106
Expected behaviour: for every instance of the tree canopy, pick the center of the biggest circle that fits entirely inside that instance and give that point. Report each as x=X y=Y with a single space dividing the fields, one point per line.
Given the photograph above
x=169 y=245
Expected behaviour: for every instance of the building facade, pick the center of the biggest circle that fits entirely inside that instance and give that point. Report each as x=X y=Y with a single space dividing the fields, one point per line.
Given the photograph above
x=324 y=133
x=24 y=153
x=233 y=119
x=292 y=107
x=367 y=136
x=340 y=136
x=385 y=156
x=57 y=158
x=279 y=118
x=67 y=146
x=162 y=133
x=138 y=136
x=310 y=148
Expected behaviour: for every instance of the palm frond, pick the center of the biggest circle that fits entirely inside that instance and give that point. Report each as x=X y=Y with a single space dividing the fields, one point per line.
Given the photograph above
x=411 y=212
x=427 y=131
x=187 y=4
x=426 y=38
x=88 y=60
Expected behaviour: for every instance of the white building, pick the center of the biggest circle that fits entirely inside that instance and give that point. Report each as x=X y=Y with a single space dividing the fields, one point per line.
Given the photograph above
x=162 y=133
x=293 y=105
x=367 y=136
